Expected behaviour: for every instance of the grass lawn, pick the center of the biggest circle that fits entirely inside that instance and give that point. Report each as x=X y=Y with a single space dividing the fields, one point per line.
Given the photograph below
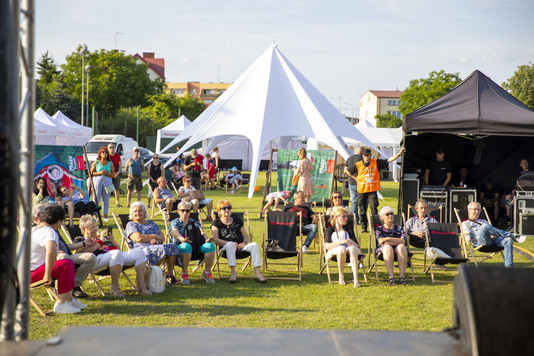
x=310 y=304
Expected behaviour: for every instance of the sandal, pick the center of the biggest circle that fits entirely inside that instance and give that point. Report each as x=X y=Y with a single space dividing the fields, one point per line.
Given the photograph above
x=144 y=291
x=392 y=281
x=232 y=279
x=118 y=206
x=402 y=281
x=260 y=279
x=342 y=282
x=117 y=292
x=356 y=284
x=172 y=280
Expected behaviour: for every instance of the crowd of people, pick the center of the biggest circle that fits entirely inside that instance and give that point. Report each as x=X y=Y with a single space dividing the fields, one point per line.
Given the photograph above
x=69 y=264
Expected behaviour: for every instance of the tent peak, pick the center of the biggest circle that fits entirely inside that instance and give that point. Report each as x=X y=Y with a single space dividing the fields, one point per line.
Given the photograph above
x=273 y=44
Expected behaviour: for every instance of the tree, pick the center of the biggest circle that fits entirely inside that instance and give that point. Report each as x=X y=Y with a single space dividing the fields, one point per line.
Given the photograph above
x=165 y=108
x=52 y=92
x=388 y=120
x=422 y=91
x=521 y=84
x=116 y=80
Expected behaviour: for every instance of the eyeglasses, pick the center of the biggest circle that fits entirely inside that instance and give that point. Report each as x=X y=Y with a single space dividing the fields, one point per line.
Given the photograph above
x=226 y=208
x=185 y=210
x=389 y=214
x=342 y=216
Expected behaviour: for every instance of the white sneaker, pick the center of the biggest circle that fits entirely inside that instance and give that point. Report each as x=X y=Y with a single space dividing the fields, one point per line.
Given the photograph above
x=77 y=304
x=519 y=238
x=232 y=192
x=304 y=249
x=105 y=219
x=238 y=186
x=65 y=308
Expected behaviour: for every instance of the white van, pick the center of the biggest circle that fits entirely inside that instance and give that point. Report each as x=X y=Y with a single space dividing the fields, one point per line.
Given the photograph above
x=123 y=146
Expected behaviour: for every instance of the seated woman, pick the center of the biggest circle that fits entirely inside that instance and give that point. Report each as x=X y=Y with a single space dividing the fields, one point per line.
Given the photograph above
x=44 y=263
x=192 y=242
x=144 y=234
x=336 y=199
x=392 y=241
x=340 y=241
x=108 y=254
x=230 y=234
x=40 y=191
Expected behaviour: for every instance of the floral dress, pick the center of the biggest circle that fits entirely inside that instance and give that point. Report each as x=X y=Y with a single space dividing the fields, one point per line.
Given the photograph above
x=382 y=232
x=305 y=169
x=154 y=253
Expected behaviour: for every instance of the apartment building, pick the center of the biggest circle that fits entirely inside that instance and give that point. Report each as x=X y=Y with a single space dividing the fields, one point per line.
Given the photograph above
x=207 y=92
x=379 y=102
x=156 y=66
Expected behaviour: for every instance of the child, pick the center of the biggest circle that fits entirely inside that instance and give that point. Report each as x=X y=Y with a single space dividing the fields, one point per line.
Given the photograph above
x=275 y=198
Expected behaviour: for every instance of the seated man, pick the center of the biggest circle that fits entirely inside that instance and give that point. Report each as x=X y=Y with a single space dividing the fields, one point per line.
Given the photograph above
x=188 y=193
x=85 y=262
x=309 y=219
x=77 y=198
x=489 y=197
x=234 y=178
x=163 y=196
x=481 y=233
x=415 y=226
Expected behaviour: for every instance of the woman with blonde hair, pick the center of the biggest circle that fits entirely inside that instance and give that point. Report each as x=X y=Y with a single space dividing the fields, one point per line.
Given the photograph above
x=341 y=241
x=304 y=170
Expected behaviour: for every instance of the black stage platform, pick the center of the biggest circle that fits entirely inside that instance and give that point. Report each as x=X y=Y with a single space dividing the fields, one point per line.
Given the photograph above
x=258 y=342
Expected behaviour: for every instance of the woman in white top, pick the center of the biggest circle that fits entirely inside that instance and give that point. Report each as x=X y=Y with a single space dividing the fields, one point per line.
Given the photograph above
x=340 y=241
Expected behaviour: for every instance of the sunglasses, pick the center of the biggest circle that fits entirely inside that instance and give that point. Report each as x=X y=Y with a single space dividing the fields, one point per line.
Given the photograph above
x=337 y=196
x=389 y=214
x=226 y=208
x=111 y=148
x=185 y=210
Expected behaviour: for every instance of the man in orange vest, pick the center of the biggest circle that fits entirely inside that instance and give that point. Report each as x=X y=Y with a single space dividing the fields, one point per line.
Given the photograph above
x=367 y=174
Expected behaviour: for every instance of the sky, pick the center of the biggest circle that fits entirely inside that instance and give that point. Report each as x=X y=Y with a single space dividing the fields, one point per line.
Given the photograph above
x=343 y=47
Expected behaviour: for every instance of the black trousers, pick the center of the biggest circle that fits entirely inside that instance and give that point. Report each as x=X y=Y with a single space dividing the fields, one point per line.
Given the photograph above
x=84 y=208
x=363 y=200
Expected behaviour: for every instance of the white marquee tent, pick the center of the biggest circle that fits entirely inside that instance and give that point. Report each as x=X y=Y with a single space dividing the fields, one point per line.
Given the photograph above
x=83 y=133
x=48 y=132
x=271 y=100
x=172 y=130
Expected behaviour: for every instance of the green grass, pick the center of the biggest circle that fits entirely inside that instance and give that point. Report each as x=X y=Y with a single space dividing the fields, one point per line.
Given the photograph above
x=310 y=304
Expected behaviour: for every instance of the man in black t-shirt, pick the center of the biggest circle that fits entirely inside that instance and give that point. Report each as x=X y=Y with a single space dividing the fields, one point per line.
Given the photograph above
x=438 y=171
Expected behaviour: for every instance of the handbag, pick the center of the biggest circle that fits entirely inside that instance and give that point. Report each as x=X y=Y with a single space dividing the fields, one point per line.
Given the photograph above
x=295 y=179
x=272 y=245
x=154 y=279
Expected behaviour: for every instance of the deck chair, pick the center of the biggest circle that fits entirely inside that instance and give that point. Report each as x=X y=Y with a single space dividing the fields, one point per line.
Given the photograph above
x=443 y=246
x=121 y=220
x=483 y=253
x=246 y=179
x=282 y=240
x=374 y=222
x=315 y=245
x=239 y=255
x=324 y=261
x=51 y=293
x=103 y=273
x=326 y=204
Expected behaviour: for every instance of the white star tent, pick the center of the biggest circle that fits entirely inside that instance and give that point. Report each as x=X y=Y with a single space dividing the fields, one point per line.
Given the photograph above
x=270 y=101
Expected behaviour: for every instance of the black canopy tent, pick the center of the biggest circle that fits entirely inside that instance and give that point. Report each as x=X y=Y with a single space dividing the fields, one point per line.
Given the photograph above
x=479 y=125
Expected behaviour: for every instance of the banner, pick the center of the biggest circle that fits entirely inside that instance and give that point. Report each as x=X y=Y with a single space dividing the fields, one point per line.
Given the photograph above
x=60 y=166
x=324 y=163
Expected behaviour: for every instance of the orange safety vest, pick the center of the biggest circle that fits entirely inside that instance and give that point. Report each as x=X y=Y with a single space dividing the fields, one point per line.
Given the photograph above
x=368 y=178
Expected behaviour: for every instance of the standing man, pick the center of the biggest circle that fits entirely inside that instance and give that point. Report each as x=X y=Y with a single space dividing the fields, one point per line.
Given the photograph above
x=135 y=167
x=438 y=172
x=116 y=160
x=368 y=179
x=193 y=165
x=350 y=166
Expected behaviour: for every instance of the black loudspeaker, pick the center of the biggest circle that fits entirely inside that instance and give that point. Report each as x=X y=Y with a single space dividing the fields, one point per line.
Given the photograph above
x=523 y=205
x=410 y=193
x=459 y=199
x=493 y=310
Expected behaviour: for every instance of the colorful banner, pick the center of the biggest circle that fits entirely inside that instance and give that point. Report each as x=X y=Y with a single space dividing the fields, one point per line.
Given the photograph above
x=324 y=163
x=60 y=166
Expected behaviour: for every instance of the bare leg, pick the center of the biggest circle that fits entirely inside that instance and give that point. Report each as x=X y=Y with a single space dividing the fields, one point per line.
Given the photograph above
x=70 y=207
x=402 y=258
x=387 y=252
x=208 y=261
x=117 y=197
x=185 y=258
x=171 y=262
x=138 y=195
x=210 y=208
x=140 y=279
x=115 y=272
x=354 y=252
x=129 y=197
x=341 y=259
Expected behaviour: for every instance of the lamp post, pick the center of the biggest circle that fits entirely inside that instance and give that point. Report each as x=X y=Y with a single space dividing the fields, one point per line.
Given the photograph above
x=87 y=67
x=82 y=53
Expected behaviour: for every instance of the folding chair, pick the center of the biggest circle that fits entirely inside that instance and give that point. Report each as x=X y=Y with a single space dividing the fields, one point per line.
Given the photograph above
x=324 y=261
x=374 y=222
x=103 y=273
x=239 y=255
x=51 y=293
x=485 y=252
x=282 y=228
x=443 y=246
x=315 y=245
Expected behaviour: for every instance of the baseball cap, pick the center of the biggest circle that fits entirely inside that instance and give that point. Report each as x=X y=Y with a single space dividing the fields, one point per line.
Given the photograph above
x=366 y=151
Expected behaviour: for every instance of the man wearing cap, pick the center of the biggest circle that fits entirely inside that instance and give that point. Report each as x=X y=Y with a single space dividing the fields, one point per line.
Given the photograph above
x=367 y=174
x=135 y=167
x=234 y=178
x=193 y=165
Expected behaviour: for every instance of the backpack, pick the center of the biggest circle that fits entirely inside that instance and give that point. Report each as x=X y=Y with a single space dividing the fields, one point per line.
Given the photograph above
x=154 y=279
